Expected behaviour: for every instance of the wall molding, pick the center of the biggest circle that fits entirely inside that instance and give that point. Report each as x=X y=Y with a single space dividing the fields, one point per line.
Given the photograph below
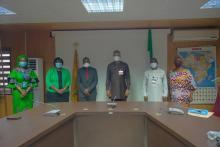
x=130 y=24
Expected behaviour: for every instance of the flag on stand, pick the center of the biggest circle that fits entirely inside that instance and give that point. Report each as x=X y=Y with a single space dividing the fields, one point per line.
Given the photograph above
x=74 y=87
x=150 y=45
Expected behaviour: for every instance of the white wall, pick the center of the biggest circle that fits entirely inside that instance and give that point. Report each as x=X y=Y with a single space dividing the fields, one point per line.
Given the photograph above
x=99 y=45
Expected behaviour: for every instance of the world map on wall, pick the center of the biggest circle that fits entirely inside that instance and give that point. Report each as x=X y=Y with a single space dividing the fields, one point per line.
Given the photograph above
x=201 y=61
x=202 y=65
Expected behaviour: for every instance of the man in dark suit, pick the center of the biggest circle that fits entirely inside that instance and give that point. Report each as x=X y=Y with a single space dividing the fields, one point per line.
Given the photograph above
x=87 y=81
x=118 y=79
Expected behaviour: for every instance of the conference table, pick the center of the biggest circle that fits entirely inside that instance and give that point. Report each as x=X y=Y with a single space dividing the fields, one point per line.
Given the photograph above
x=95 y=124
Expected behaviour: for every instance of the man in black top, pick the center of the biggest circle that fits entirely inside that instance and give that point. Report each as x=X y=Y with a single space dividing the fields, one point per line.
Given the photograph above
x=118 y=79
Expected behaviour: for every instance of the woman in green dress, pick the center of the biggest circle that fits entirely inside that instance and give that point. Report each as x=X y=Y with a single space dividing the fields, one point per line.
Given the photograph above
x=22 y=80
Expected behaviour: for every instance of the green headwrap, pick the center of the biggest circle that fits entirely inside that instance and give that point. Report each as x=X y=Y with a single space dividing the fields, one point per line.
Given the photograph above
x=21 y=57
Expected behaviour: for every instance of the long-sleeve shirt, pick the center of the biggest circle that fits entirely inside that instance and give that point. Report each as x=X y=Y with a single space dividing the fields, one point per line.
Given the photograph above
x=118 y=79
x=155 y=85
x=52 y=79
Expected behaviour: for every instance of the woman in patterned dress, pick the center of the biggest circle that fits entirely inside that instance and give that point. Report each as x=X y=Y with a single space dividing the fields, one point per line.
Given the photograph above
x=182 y=84
x=22 y=80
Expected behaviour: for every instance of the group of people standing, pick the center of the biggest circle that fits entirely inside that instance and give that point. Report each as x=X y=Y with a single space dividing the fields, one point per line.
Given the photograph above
x=180 y=80
x=117 y=81
x=22 y=80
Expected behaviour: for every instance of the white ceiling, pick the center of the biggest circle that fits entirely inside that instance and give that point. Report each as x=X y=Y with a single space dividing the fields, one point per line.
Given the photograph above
x=39 y=11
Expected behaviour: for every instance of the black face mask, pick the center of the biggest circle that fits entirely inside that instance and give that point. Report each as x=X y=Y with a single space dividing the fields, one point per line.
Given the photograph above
x=178 y=64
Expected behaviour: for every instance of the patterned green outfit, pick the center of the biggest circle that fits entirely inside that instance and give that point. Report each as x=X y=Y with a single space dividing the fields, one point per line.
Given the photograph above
x=24 y=78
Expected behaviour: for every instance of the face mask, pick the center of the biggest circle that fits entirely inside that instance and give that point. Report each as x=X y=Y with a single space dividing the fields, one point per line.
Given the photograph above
x=22 y=63
x=86 y=64
x=117 y=58
x=58 y=65
x=178 y=64
x=153 y=65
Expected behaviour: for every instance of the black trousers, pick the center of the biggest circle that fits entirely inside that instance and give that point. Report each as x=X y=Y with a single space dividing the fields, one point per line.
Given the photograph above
x=55 y=97
x=120 y=99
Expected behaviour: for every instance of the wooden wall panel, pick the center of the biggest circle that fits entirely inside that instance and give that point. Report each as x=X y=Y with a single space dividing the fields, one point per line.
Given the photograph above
x=6 y=105
x=37 y=44
x=41 y=45
x=3 y=106
x=15 y=41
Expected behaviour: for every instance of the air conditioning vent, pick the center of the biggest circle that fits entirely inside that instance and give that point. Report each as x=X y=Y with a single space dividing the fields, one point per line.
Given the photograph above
x=196 y=35
x=36 y=64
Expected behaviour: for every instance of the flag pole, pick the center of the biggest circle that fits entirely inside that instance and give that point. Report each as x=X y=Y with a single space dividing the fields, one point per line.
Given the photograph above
x=74 y=87
x=150 y=44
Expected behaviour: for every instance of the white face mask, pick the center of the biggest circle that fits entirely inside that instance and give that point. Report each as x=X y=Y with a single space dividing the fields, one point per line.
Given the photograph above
x=117 y=58
x=153 y=65
x=86 y=64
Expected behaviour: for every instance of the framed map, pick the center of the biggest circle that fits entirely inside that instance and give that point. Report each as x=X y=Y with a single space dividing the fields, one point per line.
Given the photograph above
x=201 y=61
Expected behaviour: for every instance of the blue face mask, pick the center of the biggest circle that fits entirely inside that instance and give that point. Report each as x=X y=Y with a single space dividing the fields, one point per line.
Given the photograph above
x=58 y=65
x=22 y=63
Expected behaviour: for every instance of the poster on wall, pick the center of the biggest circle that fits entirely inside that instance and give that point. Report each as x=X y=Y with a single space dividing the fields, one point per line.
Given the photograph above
x=201 y=61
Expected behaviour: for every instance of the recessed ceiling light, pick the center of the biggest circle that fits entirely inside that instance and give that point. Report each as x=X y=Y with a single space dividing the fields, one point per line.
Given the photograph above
x=95 y=6
x=4 y=11
x=211 y=4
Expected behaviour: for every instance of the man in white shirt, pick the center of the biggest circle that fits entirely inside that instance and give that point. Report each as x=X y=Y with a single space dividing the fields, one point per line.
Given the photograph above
x=155 y=83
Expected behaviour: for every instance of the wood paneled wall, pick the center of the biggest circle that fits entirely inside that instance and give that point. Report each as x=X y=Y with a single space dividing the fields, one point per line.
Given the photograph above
x=41 y=45
x=36 y=44
x=5 y=105
x=14 y=40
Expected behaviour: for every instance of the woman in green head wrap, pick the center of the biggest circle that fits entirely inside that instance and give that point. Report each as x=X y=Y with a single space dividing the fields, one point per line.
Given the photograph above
x=22 y=80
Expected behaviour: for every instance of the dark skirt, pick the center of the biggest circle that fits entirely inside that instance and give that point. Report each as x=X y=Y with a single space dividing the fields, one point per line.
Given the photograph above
x=55 y=97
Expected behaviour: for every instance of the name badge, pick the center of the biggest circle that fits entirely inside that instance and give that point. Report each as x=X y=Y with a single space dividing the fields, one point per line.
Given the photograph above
x=24 y=84
x=120 y=72
x=154 y=80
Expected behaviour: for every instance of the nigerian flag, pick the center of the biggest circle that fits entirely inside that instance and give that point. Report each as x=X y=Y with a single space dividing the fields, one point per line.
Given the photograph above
x=150 y=44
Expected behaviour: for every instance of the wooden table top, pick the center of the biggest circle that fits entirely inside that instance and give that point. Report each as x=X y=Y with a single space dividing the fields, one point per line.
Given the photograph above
x=33 y=125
